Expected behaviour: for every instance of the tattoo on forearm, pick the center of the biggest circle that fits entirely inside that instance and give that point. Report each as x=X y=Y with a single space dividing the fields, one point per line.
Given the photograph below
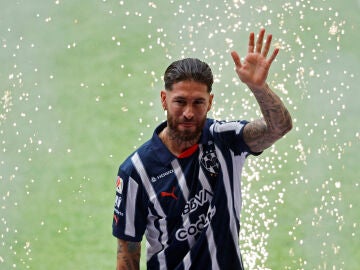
x=276 y=122
x=128 y=255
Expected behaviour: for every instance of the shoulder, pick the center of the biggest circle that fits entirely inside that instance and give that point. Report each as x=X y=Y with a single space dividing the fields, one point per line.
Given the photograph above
x=221 y=126
x=143 y=152
x=230 y=135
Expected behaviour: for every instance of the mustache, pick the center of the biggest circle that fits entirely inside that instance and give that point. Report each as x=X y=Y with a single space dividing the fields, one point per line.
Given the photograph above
x=186 y=121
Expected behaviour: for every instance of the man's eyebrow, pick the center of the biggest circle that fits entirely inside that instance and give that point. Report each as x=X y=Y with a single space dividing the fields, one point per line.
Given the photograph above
x=179 y=98
x=194 y=99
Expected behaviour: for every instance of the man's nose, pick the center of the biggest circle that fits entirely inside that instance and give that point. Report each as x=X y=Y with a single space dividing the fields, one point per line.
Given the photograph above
x=188 y=112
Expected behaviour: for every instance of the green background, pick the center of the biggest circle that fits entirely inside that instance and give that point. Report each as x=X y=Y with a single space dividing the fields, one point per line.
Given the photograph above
x=79 y=88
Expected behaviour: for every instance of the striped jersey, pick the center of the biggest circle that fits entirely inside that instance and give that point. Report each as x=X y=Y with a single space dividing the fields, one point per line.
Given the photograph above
x=188 y=206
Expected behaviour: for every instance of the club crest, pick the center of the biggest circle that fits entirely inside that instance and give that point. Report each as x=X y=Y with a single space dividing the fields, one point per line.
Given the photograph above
x=209 y=159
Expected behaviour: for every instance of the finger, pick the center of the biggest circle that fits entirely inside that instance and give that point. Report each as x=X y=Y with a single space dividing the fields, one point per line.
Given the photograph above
x=236 y=59
x=267 y=46
x=251 y=42
x=273 y=56
x=259 y=41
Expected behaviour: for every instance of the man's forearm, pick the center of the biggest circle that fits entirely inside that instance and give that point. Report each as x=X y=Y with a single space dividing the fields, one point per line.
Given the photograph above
x=128 y=255
x=276 y=122
x=276 y=116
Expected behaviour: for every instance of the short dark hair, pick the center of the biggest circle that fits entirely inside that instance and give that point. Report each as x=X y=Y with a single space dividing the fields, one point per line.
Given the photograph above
x=188 y=69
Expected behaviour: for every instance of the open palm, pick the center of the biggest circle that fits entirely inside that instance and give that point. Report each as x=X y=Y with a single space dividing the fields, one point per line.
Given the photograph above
x=255 y=67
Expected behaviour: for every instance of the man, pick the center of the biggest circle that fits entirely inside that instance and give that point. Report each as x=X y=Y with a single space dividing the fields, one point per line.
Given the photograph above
x=182 y=187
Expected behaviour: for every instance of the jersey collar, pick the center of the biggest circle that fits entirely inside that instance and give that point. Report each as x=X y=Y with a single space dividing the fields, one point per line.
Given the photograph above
x=164 y=155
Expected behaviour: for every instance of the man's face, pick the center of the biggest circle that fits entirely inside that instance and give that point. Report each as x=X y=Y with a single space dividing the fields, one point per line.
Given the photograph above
x=187 y=105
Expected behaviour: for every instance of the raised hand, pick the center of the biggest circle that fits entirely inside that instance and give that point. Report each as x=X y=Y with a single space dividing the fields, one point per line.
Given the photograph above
x=255 y=67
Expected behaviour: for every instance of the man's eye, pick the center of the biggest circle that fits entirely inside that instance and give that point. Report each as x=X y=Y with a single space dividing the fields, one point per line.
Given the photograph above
x=180 y=102
x=199 y=102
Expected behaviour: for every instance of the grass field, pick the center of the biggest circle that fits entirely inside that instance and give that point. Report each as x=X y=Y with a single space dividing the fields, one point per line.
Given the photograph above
x=79 y=88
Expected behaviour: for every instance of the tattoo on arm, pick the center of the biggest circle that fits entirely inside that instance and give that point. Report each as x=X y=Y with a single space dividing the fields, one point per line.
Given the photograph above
x=276 y=122
x=128 y=255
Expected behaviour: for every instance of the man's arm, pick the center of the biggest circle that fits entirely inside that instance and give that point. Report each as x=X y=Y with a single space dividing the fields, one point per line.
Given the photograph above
x=276 y=122
x=128 y=255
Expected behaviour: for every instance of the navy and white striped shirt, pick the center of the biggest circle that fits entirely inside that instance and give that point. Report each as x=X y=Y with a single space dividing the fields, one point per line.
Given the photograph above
x=188 y=206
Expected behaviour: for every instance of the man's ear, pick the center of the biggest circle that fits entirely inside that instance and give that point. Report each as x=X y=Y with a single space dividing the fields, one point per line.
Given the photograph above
x=163 y=99
x=210 y=102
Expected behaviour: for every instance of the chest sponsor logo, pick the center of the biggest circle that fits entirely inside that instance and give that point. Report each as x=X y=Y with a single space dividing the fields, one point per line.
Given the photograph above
x=193 y=229
x=199 y=200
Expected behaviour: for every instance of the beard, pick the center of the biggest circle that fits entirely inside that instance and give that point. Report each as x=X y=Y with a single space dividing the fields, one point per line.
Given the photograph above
x=184 y=136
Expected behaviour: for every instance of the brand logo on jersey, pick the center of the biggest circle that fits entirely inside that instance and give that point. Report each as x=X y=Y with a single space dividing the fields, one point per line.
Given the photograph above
x=209 y=160
x=193 y=229
x=158 y=177
x=119 y=185
x=169 y=194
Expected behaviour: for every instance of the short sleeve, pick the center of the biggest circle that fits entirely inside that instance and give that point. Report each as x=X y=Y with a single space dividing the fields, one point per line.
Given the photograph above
x=231 y=135
x=129 y=220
